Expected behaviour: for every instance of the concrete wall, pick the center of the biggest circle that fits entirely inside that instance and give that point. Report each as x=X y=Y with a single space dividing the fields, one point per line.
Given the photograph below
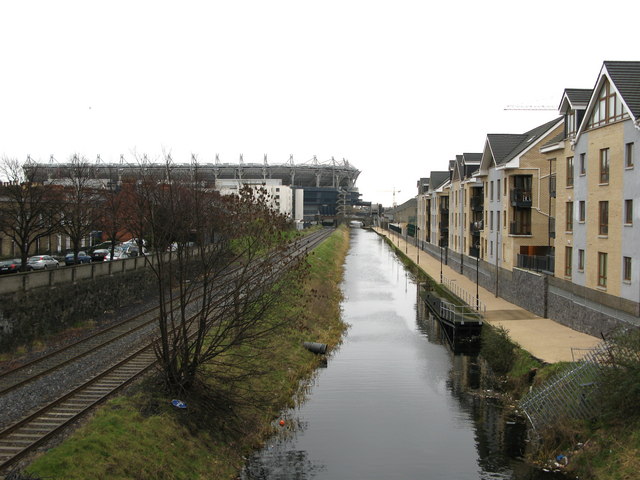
x=578 y=307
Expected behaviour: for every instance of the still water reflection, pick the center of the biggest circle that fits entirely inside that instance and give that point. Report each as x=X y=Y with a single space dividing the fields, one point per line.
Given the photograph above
x=394 y=402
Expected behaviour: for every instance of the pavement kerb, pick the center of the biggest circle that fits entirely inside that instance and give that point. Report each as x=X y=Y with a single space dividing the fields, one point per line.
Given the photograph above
x=543 y=338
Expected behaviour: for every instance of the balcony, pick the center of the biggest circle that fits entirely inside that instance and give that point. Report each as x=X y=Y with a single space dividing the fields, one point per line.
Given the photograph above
x=474 y=252
x=444 y=211
x=477 y=203
x=476 y=227
x=538 y=263
x=516 y=228
x=444 y=225
x=520 y=198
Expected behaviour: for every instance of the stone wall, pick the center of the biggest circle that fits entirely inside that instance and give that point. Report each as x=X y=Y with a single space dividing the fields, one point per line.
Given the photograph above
x=40 y=312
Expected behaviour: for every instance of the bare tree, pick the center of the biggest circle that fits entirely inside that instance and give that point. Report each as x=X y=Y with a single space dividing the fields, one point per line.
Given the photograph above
x=29 y=207
x=218 y=261
x=111 y=216
x=79 y=203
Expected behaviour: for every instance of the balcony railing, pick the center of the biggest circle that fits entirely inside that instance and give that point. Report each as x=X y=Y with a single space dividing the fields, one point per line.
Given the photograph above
x=539 y=263
x=444 y=225
x=477 y=203
x=520 y=197
x=444 y=210
x=474 y=252
x=516 y=228
x=476 y=227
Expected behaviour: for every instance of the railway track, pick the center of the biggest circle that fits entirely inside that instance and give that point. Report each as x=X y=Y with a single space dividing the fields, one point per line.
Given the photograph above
x=40 y=424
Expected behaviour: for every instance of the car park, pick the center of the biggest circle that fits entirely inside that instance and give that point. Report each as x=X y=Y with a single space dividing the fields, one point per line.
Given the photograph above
x=69 y=258
x=10 y=266
x=42 y=262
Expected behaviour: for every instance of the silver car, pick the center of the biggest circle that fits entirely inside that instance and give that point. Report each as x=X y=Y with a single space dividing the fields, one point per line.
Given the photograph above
x=41 y=262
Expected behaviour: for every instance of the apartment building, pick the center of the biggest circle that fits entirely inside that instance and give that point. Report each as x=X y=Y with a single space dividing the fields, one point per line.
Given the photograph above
x=599 y=185
x=462 y=188
x=517 y=206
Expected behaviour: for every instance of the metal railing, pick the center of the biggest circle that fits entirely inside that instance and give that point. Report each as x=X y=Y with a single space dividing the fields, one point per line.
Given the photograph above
x=457 y=314
x=538 y=263
x=571 y=393
x=462 y=294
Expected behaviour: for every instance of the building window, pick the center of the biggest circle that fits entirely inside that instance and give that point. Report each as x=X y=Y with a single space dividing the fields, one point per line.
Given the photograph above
x=491 y=221
x=568 y=253
x=491 y=247
x=602 y=269
x=604 y=165
x=581 y=211
x=569 y=171
x=626 y=269
x=608 y=109
x=628 y=155
x=569 y=211
x=580 y=260
x=628 y=212
x=498 y=191
x=603 y=216
x=504 y=219
x=491 y=192
x=583 y=163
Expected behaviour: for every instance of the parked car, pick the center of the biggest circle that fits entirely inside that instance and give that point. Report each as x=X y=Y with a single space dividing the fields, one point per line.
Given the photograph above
x=42 y=262
x=82 y=258
x=100 y=255
x=10 y=266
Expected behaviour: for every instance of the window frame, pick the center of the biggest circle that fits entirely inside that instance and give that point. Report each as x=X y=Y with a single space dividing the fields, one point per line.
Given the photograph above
x=581 y=260
x=605 y=163
x=569 y=215
x=582 y=211
x=628 y=155
x=602 y=269
x=583 y=164
x=603 y=218
x=626 y=269
x=628 y=211
x=569 y=172
x=568 y=260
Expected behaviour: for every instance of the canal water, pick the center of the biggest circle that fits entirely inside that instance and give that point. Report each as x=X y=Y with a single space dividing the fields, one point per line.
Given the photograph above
x=394 y=401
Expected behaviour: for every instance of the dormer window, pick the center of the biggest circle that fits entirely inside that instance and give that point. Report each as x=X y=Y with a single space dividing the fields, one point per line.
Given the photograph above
x=608 y=108
x=571 y=123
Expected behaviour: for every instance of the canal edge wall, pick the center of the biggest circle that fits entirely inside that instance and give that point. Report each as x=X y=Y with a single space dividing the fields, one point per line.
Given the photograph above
x=574 y=306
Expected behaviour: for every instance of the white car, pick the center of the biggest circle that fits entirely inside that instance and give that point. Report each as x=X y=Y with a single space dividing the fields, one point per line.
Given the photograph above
x=42 y=262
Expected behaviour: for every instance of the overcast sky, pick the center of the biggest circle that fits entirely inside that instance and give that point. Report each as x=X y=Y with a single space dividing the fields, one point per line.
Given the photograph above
x=397 y=88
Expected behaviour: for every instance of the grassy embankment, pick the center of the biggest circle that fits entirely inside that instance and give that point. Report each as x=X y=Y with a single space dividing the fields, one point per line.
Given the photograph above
x=140 y=435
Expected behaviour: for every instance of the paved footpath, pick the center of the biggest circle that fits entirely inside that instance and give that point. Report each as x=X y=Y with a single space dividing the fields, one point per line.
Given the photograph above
x=545 y=339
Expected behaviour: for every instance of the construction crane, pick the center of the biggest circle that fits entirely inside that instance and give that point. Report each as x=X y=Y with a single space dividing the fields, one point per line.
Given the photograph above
x=395 y=204
x=530 y=107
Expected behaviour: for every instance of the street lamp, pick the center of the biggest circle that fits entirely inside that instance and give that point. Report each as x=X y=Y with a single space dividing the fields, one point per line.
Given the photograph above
x=477 y=280
x=418 y=244
x=440 y=263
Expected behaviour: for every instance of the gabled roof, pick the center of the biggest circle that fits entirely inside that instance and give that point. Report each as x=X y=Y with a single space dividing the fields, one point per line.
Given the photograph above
x=626 y=78
x=472 y=158
x=574 y=99
x=437 y=179
x=504 y=147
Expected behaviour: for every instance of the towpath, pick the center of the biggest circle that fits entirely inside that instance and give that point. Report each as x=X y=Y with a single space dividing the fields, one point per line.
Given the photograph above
x=545 y=339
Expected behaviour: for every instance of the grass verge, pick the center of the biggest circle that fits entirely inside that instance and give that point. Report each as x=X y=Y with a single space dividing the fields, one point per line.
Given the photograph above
x=140 y=435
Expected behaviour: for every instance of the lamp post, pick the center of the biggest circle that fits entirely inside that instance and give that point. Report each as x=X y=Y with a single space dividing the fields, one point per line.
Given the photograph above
x=406 y=240
x=477 y=280
x=418 y=243
x=440 y=263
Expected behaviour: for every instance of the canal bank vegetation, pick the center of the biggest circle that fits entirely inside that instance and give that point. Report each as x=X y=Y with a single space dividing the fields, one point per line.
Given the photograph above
x=602 y=448
x=141 y=435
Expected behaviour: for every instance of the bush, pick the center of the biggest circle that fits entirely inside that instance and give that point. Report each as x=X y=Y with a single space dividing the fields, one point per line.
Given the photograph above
x=619 y=390
x=498 y=349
